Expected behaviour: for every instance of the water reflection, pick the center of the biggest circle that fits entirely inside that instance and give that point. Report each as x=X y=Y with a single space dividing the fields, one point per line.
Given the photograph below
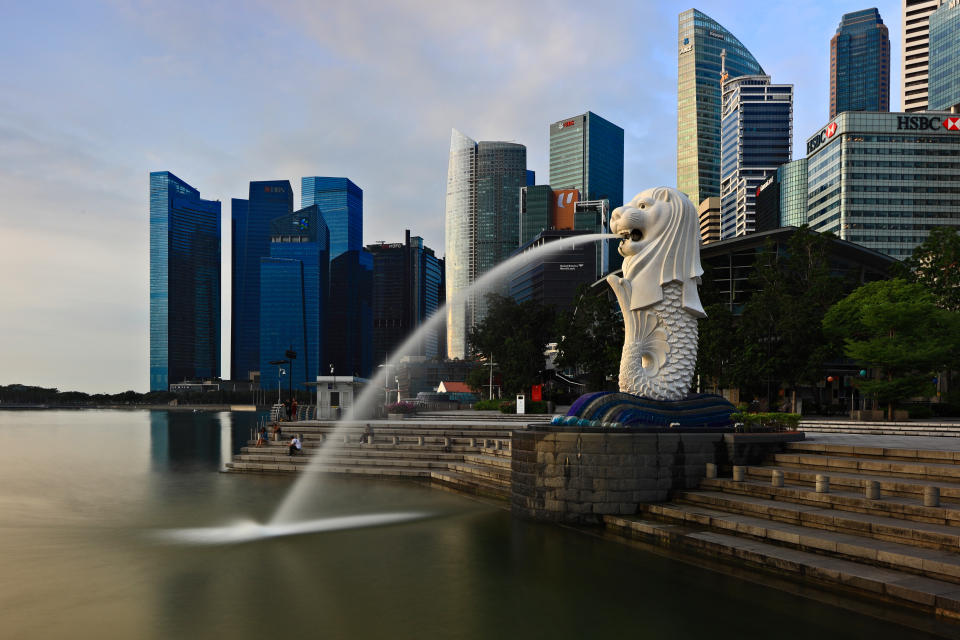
x=196 y=441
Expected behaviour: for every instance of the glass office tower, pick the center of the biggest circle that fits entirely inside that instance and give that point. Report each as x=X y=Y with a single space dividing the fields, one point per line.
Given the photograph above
x=883 y=180
x=406 y=291
x=184 y=283
x=860 y=64
x=944 y=74
x=915 y=53
x=701 y=41
x=586 y=154
x=250 y=233
x=293 y=298
x=792 y=177
x=341 y=202
x=482 y=223
x=757 y=137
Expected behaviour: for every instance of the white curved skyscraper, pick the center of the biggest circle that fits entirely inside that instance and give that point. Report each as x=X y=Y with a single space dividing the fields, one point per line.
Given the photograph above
x=482 y=223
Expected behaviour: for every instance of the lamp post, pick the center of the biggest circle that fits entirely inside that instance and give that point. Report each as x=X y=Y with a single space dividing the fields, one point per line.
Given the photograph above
x=386 y=381
x=280 y=372
x=491 y=364
x=397 y=380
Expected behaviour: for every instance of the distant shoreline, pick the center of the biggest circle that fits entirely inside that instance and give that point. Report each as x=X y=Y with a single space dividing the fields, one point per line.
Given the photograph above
x=136 y=407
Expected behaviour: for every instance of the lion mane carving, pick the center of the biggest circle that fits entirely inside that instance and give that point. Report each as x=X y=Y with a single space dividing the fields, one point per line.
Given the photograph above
x=658 y=292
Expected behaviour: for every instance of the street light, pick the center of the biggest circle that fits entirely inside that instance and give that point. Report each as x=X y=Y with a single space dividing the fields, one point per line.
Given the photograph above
x=280 y=372
x=397 y=380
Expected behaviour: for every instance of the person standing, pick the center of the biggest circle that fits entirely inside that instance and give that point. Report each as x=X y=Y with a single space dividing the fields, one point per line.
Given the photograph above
x=293 y=409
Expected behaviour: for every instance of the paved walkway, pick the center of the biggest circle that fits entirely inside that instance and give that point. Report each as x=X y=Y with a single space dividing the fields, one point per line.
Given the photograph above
x=888 y=442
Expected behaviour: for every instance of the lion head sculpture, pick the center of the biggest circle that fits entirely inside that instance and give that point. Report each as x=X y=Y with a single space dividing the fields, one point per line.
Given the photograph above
x=661 y=244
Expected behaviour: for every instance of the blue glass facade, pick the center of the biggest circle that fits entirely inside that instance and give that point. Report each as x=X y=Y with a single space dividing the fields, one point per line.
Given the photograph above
x=586 y=153
x=250 y=226
x=757 y=137
x=293 y=297
x=701 y=40
x=341 y=202
x=944 y=79
x=184 y=283
x=860 y=64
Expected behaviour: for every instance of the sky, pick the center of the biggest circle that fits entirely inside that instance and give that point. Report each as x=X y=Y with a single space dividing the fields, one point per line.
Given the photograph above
x=96 y=95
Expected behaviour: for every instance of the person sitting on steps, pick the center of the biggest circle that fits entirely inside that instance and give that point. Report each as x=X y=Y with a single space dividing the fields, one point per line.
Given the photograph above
x=294 y=446
x=262 y=437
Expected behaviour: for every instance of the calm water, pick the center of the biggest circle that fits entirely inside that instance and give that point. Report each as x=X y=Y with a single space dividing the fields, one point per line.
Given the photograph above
x=83 y=495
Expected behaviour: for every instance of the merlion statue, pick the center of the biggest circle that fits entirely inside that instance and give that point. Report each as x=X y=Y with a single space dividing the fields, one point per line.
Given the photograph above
x=658 y=292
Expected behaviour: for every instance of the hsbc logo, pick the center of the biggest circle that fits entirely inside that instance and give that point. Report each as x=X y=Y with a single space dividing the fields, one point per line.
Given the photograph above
x=826 y=133
x=951 y=124
x=927 y=123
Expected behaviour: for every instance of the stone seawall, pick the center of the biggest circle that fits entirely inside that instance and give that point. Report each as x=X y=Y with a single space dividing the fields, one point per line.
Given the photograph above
x=578 y=476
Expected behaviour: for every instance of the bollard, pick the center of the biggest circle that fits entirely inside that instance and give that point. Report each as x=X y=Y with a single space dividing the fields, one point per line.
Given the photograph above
x=776 y=478
x=931 y=496
x=872 y=489
x=823 y=483
x=738 y=473
x=711 y=470
x=420 y=440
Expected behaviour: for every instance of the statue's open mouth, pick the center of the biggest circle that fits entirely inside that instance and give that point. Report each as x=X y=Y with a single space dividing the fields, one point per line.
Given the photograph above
x=636 y=235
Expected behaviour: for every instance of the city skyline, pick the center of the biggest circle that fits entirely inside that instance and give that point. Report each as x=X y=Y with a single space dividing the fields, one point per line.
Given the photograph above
x=177 y=88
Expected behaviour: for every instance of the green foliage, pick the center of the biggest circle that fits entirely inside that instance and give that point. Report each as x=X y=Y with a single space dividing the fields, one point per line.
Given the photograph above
x=935 y=264
x=488 y=405
x=478 y=380
x=591 y=339
x=774 y=341
x=517 y=335
x=528 y=407
x=896 y=328
x=767 y=421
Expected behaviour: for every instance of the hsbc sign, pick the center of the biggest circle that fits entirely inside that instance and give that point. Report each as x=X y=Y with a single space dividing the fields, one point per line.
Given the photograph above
x=928 y=123
x=825 y=134
x=946 y=123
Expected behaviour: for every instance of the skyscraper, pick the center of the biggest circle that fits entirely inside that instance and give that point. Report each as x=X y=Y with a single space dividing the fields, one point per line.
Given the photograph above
x=250 y=233
x=349 y=320
x=293 y=298
x=184 y=283
x=915 y=53
x=944 y=74
x=757 y=137
x=482 y=223
x=407 y=289
x=860 y=64
x=341 y=202
x=586 y=154
x=701 y=41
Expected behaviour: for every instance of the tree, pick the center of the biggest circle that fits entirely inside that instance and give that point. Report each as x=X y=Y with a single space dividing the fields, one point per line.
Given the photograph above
x=591 y=339
x=895 y=327
x=516 y=335
x=935 y=264
x=775 y=340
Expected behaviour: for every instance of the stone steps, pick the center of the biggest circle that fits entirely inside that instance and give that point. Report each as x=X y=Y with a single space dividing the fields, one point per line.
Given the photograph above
x=919 y=469
x=901 y=508
x=936 y=563
x=902 y=487
x=887 y=453
x=867 y=525
x=925 y=593
x=938 y=429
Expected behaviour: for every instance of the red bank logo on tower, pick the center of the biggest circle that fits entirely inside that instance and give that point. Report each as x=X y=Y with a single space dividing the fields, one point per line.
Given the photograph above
x=831 y=129
x=951 y=124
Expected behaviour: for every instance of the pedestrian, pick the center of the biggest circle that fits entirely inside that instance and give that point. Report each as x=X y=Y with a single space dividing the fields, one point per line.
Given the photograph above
x=294 y=446
x=286 y=406
x=262 y=437
x=293 y=409
x=277 y=433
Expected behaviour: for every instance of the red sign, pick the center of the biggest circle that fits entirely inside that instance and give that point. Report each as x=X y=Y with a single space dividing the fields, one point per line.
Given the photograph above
x=951 y=124
x=536 y=393
x=568 y=123
x=831 y=129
